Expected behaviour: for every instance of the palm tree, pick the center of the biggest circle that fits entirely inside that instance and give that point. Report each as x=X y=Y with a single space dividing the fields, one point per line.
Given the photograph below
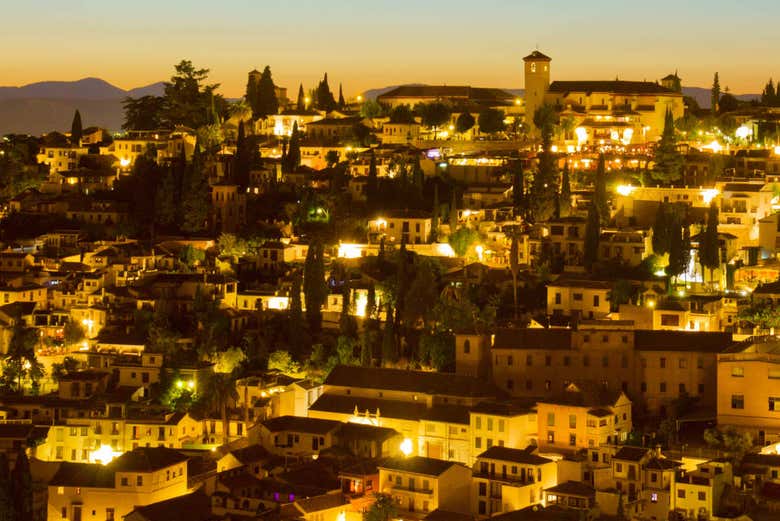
x=220 y=393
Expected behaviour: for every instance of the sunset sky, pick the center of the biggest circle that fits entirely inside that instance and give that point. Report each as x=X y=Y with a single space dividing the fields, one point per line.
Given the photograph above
x=374 y=43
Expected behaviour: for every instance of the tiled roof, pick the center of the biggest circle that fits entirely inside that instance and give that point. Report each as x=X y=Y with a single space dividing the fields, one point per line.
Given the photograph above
x=323 y=502
x=612 y=87
x=358 y=431
x=630 y=453
x=417 y=465
x=301 y=424
x=710 y=342
x=523 y=456
x=537 y=56
x=572 y=488
x=190 y=507
x=447 y=91
x=408 y=381
x=147 y=459
x=87 y=475
x=345 y=404
x=532 y=338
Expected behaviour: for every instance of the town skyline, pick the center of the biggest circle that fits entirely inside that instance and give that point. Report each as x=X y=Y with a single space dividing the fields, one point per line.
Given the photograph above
x=446 y=49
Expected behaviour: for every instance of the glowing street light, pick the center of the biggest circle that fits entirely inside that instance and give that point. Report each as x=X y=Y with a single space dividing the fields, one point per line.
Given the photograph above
x=625 y=190
x=406 y=447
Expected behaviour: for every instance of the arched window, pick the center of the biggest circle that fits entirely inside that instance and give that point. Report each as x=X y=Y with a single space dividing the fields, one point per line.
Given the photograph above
x=467 y=346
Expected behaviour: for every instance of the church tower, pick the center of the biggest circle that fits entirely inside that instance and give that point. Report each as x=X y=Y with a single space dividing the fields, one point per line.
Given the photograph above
x=537 y=82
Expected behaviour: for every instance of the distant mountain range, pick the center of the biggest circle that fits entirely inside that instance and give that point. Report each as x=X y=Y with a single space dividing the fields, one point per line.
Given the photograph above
x=49 y=105
x=41 y=107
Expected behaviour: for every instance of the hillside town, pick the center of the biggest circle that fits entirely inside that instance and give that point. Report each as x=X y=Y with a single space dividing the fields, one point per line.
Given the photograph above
x=436 y=303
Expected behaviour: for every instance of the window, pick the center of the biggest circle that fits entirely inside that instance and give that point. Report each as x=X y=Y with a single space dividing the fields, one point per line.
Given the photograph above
x=572 y=439
x=681 y=493
x=478 y=442
x=510 y=360
x=109 y=514
x=467 y=347
x=547 y=360
x=577 y=296
x=478 y=421
x=483 y=489
x=681 y=388
x=482 y=507
x=618 y=467
x=557 y=298
x=529 y=360
x=737 y=372
x=550 y=437
x=737 y=401
x=662 y=387
x=124 y=481
x=653 y=477
x=595 y=301
x=547 y=385
x=662 y=363
x=139 y=480
x=500 y=425
x=490 y=424
x=551 y=419
x=700 y=363
x=774 y=404
x=654 y=497
x=572 y=421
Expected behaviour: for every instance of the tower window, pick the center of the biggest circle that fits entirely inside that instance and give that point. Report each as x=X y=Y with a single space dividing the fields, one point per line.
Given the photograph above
x=533 y=67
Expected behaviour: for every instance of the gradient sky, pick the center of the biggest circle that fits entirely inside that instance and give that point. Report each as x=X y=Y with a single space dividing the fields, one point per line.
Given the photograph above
x=373 y=43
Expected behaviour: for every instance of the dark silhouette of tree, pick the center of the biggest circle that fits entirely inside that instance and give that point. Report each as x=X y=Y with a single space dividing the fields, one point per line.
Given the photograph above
x=544 y=188
x=76 y=131
x=565 y=197
x=21 y=480
x=715 y=95
x=491 y=121
x=464 y=123
x=401 y=114
x=372 y=183
x=668 y=161
x=324 y=97
x=315 y=290
x=709 y=247
x=292 y=160
x=389 y=348
x=242 y=161
x=195 y=197
x=514 y=266
x=435 y=213
x=144 y=113
x=600 y=191
x=263 y=101
x=188 y=100
x=434 y=115
x=592 y=235
x=300 y=104
x=7 y=512
x=341 y=103
x=662 y=229
x=728 y=103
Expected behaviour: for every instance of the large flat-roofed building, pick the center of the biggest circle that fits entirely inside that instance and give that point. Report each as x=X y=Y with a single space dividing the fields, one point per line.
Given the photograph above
x=654 y=367
x=749 y=388
x=613 y=112
x=414 y=94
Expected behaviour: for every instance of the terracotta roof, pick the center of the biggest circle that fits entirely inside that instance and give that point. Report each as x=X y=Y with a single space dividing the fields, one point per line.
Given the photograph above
x=572 y=488
x=537 y=56
x=190 y=507
x=323 y=502
x=417 y=465
x=301 y=424
x=523 y=456
x=612 y=87
x=532 y=338
x=422 y=382
x=630 y=453
x=88 y=475
x=147 y=459
x=704 y=341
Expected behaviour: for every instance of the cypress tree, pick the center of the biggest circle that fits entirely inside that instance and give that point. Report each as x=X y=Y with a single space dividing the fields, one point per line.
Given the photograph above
x=518 y=193
x=389 y=350
x=324 y=96
x=371 y=302
x=165 y=199
x=293 y=158
x=372 y=186
x=668 y=161
x=301 y=102
x=252 y=96
x=453 y=212
x=685 y=252
x=662 y=236
x=21 y=482
x=6 y=490
x=600 y=191
x=565 y=198
x=76 y=132
x=676 y=254
x=267 y=103
x=195 y=198
x=342 y=103
x=435 y=213
x=295 y=313
x=715 y=95
x=315 y=290
x=347 y=325
x=242 y=160
x=709 y=247
x=592 y=234
x=418 y=180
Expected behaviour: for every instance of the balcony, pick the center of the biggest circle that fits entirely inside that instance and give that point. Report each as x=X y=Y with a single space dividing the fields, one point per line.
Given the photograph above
x=413 y=490
x=514 y=479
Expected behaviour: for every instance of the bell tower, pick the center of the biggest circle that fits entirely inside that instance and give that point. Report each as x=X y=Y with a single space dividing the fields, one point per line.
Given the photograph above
x=537 y=82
